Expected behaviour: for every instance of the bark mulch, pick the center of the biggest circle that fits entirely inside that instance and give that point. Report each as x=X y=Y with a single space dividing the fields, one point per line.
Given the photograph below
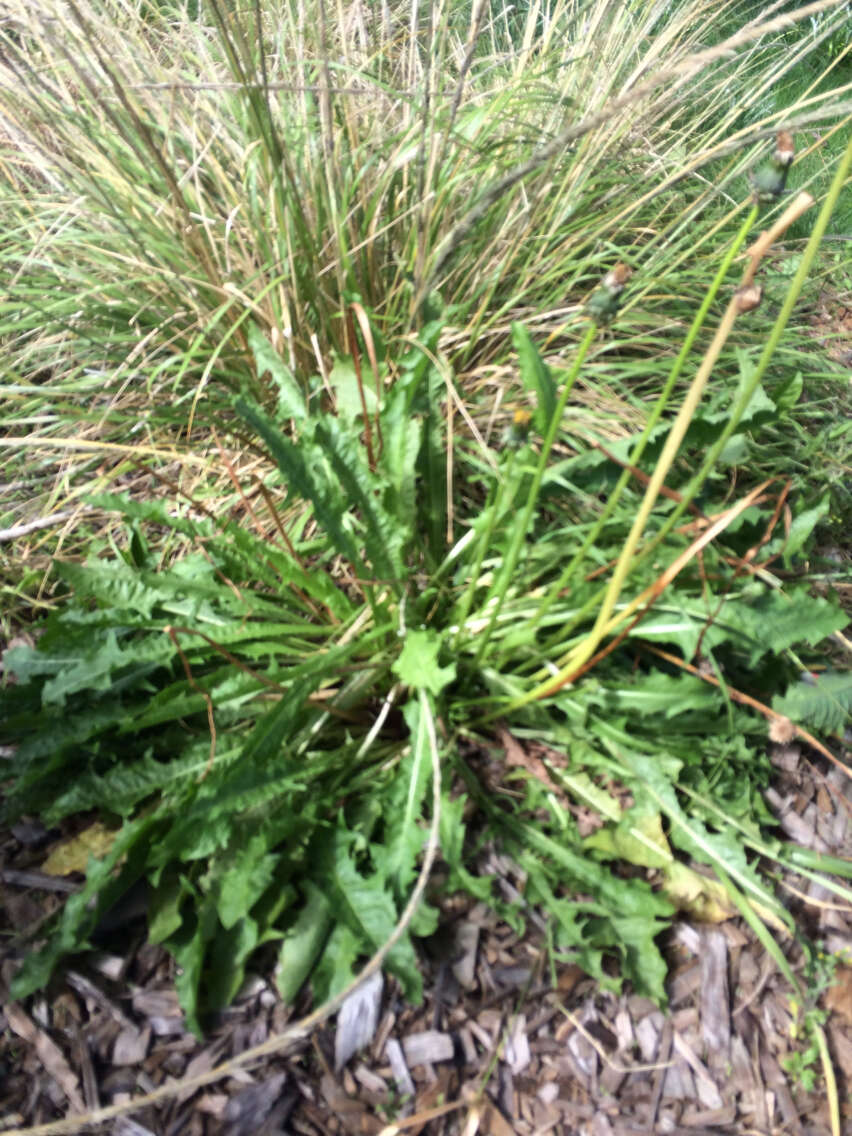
x=506 y=1041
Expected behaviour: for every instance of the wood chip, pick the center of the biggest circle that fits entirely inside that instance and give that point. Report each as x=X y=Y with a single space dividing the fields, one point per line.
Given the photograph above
x=841 y=1048
x=584 y=1053
x=131 y=1046
x=678 y=1083
x=516 y=1053
x=493 y=1123
x=160 y=1008
x=371 y=1081
x=92 y=993
x=708 y=1093
x=624 y=1030
x=399 y=1069
x=83 y=1059
x=468 y=1046
x=48 y=1052
x=548 y=1092
x=838 y=998
x=428 y=1048
x=466 y=941
x=709 y=1118
x=126 y=1126
x=212 y=1104
x=648 y=1035
x=246 y=1111
x=357 y=1020
x=715 y=998
x=352 y=1114
x=38 y=880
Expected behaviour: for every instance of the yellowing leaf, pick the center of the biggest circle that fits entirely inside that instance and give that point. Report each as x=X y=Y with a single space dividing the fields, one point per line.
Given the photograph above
x=73 y=855
x=702 y=898
x=638 y=839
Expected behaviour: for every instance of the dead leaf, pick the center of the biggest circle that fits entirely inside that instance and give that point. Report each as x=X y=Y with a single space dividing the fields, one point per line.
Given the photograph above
x=841 y=1048
x=73 y=855
x=838 y=998
x=517 y=756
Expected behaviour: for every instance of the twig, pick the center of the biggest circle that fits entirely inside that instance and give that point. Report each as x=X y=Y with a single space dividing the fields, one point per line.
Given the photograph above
x=17 y=531
x=39 y=881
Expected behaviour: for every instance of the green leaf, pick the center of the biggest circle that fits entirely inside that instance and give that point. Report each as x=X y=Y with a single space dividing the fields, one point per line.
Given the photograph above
x=336 y=969
x=88 y=663
x=583 y=788
x=291 y=400
x=225 y=968
x=787 y=394
x=637 y=838
x=723 y=849
x=122 y=787
x=417 y=664
x=656 y=694
x=536 y=377
x=404 y=832
x=303 y=943
x=571 y=922
x=803 y=526
x=188 y=945
x=452 y=831
x=343 y=379
x=366 y=906
x=761 y=408
x=306 y=477
x=756 y=621
x=164 y=907
x=268 y=736
x=384 y=537
x=432 y=458
x=775 y=620
x=245 y=879
x=403 y=438
x=824 y=704
x=627 y=915
x=735 y=451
